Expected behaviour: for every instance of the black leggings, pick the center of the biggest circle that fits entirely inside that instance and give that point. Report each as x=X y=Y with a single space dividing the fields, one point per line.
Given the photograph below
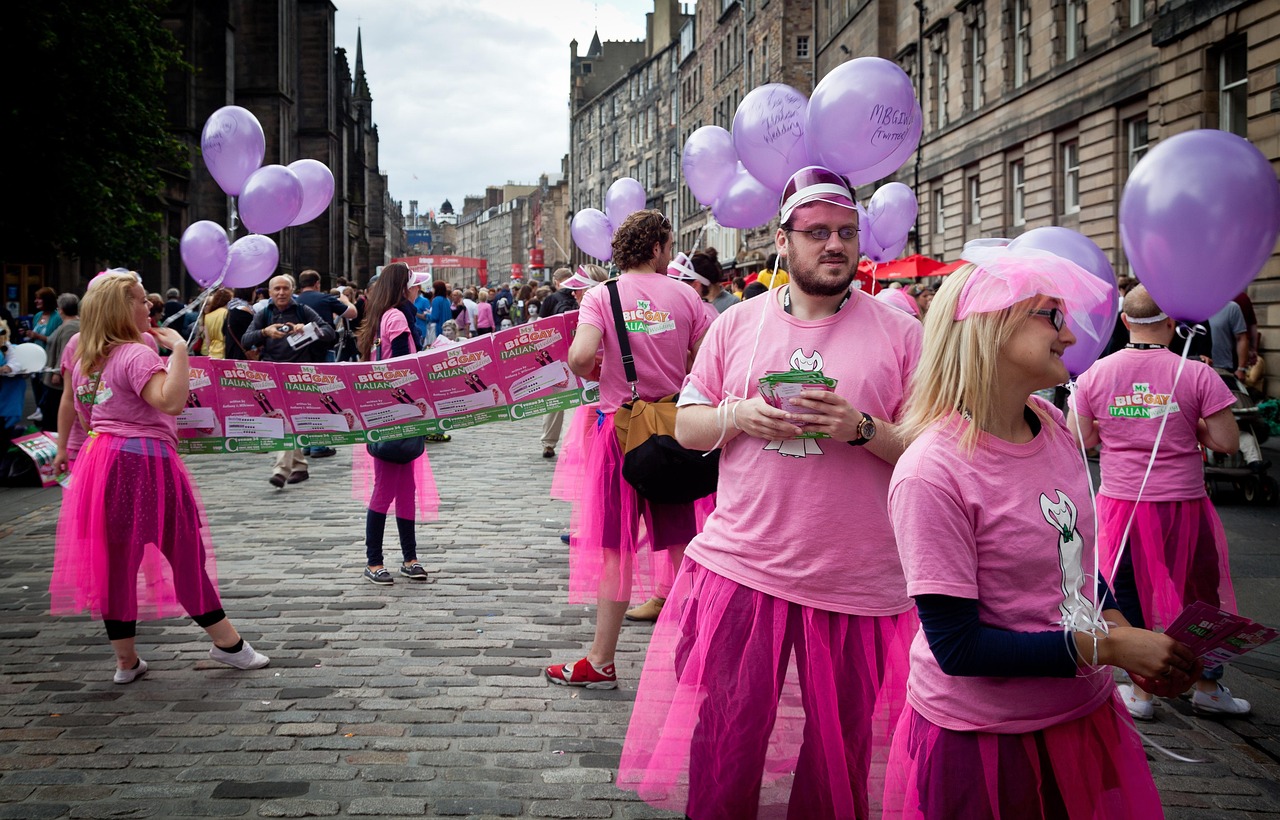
x=120 y=630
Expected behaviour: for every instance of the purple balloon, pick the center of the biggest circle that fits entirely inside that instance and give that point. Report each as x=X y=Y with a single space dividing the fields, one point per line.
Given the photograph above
x=252 y=259
x=746 y=203
x=1198 y=218
x=624 y=197
x=204 y=249
x=709 y=162
x=899 y=157
x=233 y=146
x=1080 y=249
x=892 y=209
x=592 y=233
x=860 y=113
x=768 y=133
x=271 y=200
x=878 y=253
x=317 y=188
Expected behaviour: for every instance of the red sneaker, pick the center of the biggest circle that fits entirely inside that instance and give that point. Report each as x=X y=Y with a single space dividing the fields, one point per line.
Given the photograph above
x=583 y=673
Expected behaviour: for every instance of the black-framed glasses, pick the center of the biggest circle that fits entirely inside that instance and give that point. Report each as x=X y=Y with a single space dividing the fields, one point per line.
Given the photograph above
x=1055 y=316
x=846 y=234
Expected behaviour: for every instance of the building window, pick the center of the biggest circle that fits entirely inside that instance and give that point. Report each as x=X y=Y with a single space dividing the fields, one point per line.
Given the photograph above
x=764 y=59
x=1136 y=143
x=975 y=200
x=1071 y=177
x=802 y=47
x=1074 y=29
x=938 y=80
x=1018 y=192
x=674 y=164
x=939 y=212
x=675 y=110
x=1021 y=42
x=616 y=151
x=1233 y=89
x=1137 y=12
x=975 y=30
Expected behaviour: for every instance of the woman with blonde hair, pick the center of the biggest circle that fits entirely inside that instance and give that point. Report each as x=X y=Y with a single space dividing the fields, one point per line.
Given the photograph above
x=132 y=537
x=1012 y=711
x=213 y=322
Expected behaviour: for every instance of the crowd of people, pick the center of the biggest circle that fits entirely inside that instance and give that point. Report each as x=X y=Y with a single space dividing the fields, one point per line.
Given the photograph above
x=900 y=548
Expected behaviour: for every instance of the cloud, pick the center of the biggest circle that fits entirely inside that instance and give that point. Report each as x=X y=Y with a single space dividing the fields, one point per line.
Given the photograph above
x=470 y=93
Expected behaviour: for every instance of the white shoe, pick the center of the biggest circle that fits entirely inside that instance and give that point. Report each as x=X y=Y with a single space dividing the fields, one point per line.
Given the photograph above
x=246 y=658
x=38 y=415
x=131 y=675
x=1140 y=709
x=1219 y=702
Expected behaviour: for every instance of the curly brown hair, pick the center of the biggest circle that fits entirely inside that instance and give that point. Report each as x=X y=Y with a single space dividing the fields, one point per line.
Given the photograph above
x=634 y=240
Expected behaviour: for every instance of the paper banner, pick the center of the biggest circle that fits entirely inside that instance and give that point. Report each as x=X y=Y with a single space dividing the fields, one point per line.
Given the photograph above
x=464 y=384
x=199 y=427
x=43 y=449
x=250 y=405
x=319 y=406
x=533 y=366
x=390 y=398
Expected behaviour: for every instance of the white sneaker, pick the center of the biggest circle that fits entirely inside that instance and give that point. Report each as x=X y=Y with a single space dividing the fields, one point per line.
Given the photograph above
x=131 y=675
x=1140 y=709
x=38 y=415
x=246 y=658
x=1219 y=703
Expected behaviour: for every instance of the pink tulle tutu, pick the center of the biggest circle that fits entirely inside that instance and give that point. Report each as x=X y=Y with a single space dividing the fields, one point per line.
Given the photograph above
x=753 y=706
x=133 y=543
x=1179 y=553
x=608 y=542
x=1091 y=768
x=571 y=463
x=376 y=483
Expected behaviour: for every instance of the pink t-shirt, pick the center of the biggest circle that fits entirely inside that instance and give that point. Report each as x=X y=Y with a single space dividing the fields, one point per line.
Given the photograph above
x=806 y=520
x=484 y=315
x=1012 y=527
x=1127 y=392
x=664 y=320
x=393 y=324
x=117 y=406
x=75 y=438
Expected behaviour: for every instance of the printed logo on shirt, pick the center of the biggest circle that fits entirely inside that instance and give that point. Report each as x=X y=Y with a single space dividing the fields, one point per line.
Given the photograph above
x=1142 y=403
x=85 y=393
x=1061 y=515
x=647 y=319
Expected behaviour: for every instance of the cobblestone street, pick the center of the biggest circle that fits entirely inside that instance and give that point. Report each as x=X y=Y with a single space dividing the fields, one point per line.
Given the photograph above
x=411 y=700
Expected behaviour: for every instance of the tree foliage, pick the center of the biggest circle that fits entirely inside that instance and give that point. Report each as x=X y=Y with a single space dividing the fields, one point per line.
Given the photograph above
x=86 y=128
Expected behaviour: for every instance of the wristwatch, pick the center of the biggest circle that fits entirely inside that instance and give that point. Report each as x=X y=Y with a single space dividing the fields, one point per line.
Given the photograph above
x=866 y=431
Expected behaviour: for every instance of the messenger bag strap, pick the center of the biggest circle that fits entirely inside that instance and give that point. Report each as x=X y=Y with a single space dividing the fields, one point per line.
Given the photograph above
x=624 y=345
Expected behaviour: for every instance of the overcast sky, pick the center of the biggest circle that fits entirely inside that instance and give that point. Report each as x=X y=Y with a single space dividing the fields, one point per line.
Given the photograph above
x=470 y=93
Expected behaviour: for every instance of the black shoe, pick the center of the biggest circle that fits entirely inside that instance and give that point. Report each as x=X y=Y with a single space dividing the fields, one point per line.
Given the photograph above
x=378 y=576
x=297 y=477
x=414 y=572
x=323 y=452
x=548 y=452
x=276 y=480
x=564 y=537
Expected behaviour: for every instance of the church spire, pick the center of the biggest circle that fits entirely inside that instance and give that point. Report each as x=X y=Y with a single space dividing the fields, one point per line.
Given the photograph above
x=361 y=91
x=595 y=49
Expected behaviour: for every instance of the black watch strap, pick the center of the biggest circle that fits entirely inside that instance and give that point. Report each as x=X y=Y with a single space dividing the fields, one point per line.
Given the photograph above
x=863 y=438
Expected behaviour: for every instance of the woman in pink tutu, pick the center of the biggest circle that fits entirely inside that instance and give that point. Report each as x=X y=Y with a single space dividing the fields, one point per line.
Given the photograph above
x=1012 y=711
x=384 y=334
x=132 y=538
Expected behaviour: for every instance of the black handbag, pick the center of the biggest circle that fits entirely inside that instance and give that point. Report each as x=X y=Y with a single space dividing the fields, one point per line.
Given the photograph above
x=653 y=462
x=396 y=450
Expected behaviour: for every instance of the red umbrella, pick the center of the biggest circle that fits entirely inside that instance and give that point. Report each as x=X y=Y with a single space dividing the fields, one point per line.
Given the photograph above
x=911 y=267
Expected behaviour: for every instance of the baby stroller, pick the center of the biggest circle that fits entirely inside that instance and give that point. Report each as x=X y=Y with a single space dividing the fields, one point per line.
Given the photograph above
x=1229 y=472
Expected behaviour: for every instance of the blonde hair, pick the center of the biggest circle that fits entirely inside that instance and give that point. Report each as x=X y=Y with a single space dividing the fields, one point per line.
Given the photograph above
x=595 y=272
x=106 y=320
x=958 y=369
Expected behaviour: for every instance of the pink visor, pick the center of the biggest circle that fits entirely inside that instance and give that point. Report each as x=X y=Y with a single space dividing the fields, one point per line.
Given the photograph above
x=681 y=268
x=579 y=281
x=815 y=184
x=1006 y=276
x=899 y=298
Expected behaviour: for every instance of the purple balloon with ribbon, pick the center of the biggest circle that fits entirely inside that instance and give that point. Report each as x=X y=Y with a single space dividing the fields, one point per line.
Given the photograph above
x=888 y=166
x=271 y=200
x=624 y=197
x=768 y=133
x=859 y=114
x=1199 y=218
x=252 y=259
x=592 y=232
x=317 y=188
x=746 y=203
x=233 y=146
x=1101 y=320
x=892 y=209
x=709 y=162
x=204 y=249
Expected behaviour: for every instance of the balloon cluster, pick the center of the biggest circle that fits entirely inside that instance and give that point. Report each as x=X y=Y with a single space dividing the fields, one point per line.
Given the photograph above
x=862 y=122
x=270 y=198
x=592 y=229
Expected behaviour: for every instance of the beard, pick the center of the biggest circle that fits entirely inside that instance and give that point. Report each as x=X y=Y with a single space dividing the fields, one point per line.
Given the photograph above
x=810 y=282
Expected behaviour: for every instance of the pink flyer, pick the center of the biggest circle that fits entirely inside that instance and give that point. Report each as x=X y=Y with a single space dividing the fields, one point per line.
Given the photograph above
x=251 y=405
x=199 y=425
x=464 y=384
x=321 y=410
x=533 y=365
x=390 y=398
x=589 y=391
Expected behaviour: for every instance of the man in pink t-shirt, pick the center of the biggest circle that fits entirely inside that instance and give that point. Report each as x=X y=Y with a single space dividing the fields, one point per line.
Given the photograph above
x=797 y=563
x=1175 y=552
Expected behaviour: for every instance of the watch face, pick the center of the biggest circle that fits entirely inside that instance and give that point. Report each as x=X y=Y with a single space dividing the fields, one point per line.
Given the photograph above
x=866 y=428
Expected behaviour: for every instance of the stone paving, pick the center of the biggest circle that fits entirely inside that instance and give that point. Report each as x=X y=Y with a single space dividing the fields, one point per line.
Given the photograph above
x=414 y=700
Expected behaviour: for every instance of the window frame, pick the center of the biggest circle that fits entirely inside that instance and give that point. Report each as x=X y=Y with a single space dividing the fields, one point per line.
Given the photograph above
x=1018 y=192
x=1069 y=153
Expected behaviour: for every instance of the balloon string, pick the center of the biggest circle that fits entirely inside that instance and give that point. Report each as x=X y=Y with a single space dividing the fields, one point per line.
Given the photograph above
x=1093 y=500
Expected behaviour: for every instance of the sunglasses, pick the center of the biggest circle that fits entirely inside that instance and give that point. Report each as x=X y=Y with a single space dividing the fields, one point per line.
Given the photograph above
x=1055 y=316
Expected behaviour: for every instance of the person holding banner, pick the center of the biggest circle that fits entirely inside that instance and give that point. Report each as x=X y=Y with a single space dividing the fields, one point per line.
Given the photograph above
x=1175 y=552
x=385 y=334
x=665 y=330
x=1008 y=716
x=131 y=507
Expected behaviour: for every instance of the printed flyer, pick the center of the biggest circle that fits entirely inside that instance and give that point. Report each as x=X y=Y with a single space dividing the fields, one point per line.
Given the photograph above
x=321 y=410
x=199 y=428
x=464 y=384
x=251 y=404
x=533 y=365
x=390 y=398
x=42 y=448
